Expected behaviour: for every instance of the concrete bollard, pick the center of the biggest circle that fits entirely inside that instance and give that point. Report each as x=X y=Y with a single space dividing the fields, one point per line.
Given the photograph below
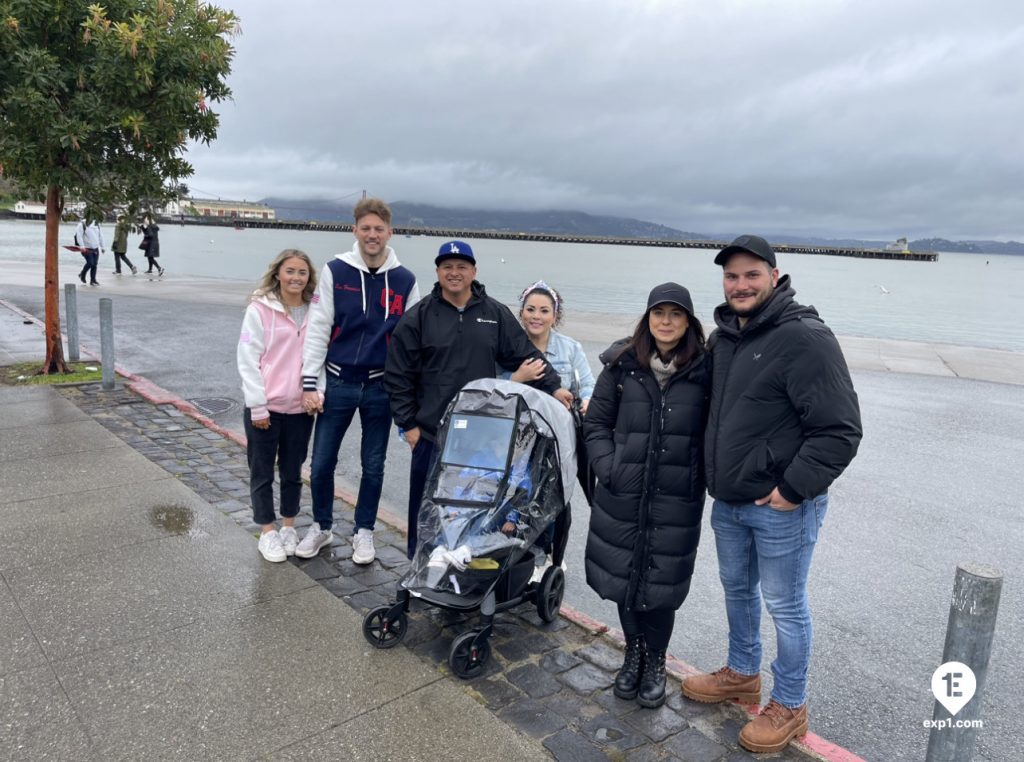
x=107 y=342
x=972 y=624
x=71 y=315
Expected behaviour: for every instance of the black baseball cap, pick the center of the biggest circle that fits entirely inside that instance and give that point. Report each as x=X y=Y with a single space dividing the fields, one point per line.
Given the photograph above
x=670 y=293
x=748 y=244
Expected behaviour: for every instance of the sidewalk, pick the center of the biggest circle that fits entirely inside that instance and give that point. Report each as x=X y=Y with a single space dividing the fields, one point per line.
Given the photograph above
x=142 y=623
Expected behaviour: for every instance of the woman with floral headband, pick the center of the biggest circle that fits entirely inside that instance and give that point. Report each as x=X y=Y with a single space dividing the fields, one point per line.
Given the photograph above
x=540 y=311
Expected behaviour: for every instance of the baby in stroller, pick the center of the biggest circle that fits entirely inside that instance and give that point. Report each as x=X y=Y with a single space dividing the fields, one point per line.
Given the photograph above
x=503 y=476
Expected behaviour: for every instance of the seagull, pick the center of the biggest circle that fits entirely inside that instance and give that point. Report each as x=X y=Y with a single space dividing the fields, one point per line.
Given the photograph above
x=883 y=289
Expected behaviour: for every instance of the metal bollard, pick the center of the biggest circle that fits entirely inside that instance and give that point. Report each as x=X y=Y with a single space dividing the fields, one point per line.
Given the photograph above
x=107 y=342
x=71 y=311
x=972 y=624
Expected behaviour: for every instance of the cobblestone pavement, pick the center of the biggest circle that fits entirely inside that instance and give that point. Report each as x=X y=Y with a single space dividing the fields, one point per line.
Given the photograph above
x=550 y=681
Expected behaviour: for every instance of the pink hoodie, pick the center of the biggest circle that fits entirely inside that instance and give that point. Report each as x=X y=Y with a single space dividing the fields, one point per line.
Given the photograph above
x=270 y=358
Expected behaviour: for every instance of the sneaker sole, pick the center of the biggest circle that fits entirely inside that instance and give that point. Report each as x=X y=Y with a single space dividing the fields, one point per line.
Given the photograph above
x=743 y=698
x=769 y=748
x=273 y=560
x=311 y=554
x=363 y=560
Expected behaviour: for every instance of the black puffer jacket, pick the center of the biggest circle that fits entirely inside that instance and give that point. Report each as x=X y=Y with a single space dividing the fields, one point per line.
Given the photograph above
x=645 y=447
x=436 y=349
x=783 y=410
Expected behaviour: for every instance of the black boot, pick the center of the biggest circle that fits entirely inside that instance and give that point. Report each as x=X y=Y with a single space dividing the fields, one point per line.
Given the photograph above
x=652 y=682
x=627 y=682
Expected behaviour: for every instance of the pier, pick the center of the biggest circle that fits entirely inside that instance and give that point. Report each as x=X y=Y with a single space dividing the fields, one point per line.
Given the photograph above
x=507 y=235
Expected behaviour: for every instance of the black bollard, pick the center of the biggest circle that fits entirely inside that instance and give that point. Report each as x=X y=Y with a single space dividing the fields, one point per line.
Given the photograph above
x=972 y=625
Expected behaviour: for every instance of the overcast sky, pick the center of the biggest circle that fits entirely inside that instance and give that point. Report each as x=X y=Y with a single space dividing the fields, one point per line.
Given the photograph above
x=867 y=118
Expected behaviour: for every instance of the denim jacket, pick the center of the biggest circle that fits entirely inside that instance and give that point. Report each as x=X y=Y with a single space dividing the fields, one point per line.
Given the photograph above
x=567 y=357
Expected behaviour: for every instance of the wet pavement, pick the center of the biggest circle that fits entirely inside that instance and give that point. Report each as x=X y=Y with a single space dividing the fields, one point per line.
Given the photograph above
x=548 y=684
x=932 y=486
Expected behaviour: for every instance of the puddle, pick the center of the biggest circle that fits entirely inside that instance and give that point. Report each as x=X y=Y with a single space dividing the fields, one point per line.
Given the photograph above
x=174 y=519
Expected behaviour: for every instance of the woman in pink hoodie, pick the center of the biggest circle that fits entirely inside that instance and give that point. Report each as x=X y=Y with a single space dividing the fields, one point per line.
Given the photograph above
x=270 y=364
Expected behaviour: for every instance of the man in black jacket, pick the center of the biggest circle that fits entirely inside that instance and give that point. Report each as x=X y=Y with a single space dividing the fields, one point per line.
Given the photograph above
x=784 y=423
x=454 y=336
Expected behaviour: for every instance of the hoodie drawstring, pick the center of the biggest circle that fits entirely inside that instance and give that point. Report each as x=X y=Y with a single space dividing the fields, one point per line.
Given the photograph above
x=387 y=294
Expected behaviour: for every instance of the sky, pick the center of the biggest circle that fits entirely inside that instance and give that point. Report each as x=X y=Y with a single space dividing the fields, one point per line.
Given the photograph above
x=839 y=118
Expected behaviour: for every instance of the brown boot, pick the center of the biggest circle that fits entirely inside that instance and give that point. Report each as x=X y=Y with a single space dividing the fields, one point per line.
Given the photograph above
x=774 y=728
x=723 y=685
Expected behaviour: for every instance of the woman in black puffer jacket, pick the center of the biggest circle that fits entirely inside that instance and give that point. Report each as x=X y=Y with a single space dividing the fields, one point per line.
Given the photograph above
x=644 y=432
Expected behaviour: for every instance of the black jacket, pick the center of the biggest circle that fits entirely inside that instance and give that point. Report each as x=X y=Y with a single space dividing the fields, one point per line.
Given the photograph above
x=436 y=349
x=151 y=241
x=644 y=445
x=783 y=410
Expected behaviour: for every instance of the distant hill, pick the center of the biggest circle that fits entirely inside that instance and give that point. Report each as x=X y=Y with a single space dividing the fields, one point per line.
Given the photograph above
x=968 y=247
x=568 y=222
x=411 y=214
x=922 y=244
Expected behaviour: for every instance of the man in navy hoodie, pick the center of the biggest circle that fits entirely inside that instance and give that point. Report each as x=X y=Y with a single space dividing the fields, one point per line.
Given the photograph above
x=360 y=298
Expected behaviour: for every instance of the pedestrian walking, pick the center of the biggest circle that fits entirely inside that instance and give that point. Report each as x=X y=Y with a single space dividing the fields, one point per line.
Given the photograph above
x=784 y=423
x=89 y=237
x=151 y=246
x=277 y=428
x=120 y=246
x=644 y=434
x=362 y=295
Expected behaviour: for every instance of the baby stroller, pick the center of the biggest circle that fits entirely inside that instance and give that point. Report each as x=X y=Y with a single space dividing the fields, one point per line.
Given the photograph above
x=496 y=498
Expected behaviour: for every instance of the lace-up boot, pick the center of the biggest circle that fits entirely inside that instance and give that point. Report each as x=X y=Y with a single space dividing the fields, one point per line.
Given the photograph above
x=627 y=682
x=652 y=680
x=774 y=728
x=723 y=685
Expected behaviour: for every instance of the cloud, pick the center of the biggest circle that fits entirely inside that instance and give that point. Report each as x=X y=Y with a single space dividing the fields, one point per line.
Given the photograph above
x=830 y=117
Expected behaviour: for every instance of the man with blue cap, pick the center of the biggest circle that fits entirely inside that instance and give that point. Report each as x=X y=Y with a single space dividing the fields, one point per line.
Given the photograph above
x=455 y=335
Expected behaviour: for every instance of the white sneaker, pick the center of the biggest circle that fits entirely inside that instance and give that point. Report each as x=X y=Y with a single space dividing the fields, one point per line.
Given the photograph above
x=362 y=547
x=270 y=547
x=289 y=539
x=315 y=539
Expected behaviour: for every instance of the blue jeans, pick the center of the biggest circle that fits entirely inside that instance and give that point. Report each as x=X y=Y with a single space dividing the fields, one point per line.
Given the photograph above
x=341 y=401
x=766 y=552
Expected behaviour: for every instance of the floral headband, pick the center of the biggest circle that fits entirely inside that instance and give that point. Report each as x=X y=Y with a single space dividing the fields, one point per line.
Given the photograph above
x=542 y=286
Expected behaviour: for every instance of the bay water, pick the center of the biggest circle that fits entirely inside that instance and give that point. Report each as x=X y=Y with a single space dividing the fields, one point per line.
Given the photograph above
x=967 y=299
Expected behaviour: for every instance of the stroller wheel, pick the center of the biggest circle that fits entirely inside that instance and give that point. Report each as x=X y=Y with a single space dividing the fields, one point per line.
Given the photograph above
x=381 y=631
x=549 y=594
x=466 y=659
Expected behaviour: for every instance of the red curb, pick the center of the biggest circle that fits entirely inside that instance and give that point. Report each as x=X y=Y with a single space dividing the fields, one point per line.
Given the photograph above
x=811 y=743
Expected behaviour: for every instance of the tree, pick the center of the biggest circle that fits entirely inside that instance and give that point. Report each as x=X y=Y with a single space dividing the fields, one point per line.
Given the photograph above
x=101 y=102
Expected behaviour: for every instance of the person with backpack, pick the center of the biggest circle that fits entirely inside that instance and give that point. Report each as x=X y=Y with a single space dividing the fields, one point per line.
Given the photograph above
x=644 y=433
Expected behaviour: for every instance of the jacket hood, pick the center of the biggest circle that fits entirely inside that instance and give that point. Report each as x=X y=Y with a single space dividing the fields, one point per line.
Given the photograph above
x=269 y=299
x=619 y=353
x=355 y=259
x=614 y=352
x=781 y=307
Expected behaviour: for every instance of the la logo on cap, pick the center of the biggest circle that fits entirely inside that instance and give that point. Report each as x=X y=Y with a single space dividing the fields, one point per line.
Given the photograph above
x=454 y=249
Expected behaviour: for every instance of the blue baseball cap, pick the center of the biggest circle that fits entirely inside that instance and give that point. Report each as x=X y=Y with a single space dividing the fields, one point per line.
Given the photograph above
x=455 y=250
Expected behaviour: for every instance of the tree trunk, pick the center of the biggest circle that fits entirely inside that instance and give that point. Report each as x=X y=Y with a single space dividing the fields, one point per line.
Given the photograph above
x=54 y=346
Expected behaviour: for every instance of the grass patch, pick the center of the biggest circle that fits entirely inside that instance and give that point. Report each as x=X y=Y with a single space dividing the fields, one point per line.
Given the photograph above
x=24 y=374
